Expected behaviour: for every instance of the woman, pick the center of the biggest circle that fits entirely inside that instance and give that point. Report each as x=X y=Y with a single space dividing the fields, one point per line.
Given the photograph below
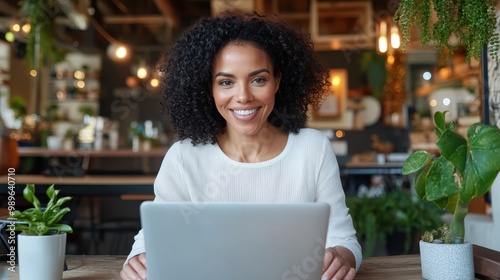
x=237 y=89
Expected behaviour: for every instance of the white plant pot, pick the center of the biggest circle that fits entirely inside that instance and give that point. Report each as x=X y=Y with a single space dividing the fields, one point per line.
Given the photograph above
x=447 y=261
x=41 y=257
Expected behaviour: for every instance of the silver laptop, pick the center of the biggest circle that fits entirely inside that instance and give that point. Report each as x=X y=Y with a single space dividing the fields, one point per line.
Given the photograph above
x=226 y=241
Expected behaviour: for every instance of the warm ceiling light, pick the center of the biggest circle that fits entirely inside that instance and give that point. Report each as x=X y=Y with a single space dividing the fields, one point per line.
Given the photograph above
x=142 y=72
x=387 y=42
x=390 y=59
x=26 y=28
x=336 y=81
x=118 y=52
x=80 y=75
x=395 y=39
x=382 y=39
x=340 y=134
x=33 y=73
x=154 y=82
x=16 y=27
x=382 y=44
x=80 y=84
x=121 y=52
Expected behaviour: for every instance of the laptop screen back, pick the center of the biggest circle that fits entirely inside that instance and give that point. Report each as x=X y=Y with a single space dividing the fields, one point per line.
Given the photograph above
x=187 y=240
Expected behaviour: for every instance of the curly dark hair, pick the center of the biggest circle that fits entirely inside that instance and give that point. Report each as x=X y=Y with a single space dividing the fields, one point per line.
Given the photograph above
x=186 y=69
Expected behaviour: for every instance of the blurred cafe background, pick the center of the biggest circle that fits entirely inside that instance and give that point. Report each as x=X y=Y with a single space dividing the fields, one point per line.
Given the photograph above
x=84 y=112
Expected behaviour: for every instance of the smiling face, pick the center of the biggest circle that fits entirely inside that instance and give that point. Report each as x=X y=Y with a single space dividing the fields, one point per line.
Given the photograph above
x=244 y=87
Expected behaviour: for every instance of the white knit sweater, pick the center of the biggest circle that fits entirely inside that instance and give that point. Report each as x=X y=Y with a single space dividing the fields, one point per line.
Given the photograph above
x=305 y=171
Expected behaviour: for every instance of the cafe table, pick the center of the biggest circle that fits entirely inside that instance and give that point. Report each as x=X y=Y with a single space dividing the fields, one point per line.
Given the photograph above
x=403 y=267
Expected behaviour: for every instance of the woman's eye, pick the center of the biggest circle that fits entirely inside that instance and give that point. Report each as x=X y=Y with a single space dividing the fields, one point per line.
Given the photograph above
x=225 y=83
x=259 y=80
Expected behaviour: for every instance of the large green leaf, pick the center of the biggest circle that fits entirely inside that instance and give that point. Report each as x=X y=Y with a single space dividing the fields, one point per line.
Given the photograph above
x=453 y=147
x=415 y=162
x=440 y=122
x=440 y=180
x=419 y=181
x=483 y=162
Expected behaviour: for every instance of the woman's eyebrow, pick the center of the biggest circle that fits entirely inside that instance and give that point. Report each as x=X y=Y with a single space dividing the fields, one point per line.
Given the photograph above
x=253 y=73
x=257 y=72
x=224 y=74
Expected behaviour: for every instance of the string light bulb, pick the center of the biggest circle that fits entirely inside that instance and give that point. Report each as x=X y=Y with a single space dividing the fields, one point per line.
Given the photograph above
x=118 y=52
x=142 y=72
x=26 y=28
x=387 y=42
x=395 y=39
x=382 y=39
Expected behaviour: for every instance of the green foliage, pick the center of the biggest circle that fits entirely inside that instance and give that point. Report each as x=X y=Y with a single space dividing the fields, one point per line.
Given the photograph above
x=86 y=110
x=41 y=14
x=42 y=221
x=375 y=218
x=471 y=22
x=18 y=105
x=51 y=112
x=464 y=170
x=374 y=66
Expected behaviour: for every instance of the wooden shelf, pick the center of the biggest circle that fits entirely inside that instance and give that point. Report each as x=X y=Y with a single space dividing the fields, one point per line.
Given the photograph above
x=44 y=152
x=453 y=81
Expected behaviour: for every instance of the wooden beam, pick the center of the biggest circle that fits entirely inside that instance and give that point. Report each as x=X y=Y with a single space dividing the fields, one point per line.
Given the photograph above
x=7 y=9
x=136 y=19
x=168 y=10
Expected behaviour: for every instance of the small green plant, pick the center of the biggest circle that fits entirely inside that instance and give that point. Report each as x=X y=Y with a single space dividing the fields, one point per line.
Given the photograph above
x=376 y=218
x=42 y=32
x=472 y=23
x=464 y=170
x=69 y=134
x=18 y=105
x=86 y=110
x=42 y=221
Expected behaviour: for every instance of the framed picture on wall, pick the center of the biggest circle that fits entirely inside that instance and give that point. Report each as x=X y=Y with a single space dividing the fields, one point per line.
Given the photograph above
x=332 y=110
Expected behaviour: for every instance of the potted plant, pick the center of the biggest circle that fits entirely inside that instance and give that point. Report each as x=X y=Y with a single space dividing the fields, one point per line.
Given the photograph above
x=42 y=241
x=41 y=47
x=465 y=169
x=450 y=24
x=392 y=219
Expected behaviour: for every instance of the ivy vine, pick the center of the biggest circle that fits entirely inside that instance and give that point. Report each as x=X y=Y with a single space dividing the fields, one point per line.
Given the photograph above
x=41 y=14
x=471 y=22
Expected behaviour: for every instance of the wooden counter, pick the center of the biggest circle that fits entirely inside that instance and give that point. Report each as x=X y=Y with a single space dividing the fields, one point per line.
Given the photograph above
x=64 y=161
x=113 y=185
x=44 y=152
x=372 y=168
x=108 y=267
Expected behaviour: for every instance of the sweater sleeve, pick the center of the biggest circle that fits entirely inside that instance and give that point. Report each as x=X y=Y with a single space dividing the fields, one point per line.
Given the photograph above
x=167 y=187
x=341 y=230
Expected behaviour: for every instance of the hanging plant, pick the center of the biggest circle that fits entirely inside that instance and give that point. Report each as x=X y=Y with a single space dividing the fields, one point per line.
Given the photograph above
x=40 y=14
x=471 y=22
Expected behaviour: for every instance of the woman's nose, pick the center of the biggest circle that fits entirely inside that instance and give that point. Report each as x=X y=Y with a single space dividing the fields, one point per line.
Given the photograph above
x=244 y=95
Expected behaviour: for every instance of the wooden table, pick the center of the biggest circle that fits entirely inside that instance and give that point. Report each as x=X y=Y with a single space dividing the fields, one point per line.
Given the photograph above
x=404 y=267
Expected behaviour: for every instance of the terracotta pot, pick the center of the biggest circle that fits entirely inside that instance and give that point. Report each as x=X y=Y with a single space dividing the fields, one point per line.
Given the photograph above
x=9 y=155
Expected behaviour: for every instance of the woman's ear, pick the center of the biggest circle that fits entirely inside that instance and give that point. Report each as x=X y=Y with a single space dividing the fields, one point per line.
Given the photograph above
x=277 y=80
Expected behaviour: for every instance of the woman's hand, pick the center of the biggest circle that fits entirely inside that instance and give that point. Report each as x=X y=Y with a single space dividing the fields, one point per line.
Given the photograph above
x=135 y=269
x=339 y=264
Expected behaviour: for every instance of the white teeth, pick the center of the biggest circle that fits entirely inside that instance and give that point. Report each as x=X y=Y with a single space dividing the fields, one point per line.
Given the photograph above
x=245 y=112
